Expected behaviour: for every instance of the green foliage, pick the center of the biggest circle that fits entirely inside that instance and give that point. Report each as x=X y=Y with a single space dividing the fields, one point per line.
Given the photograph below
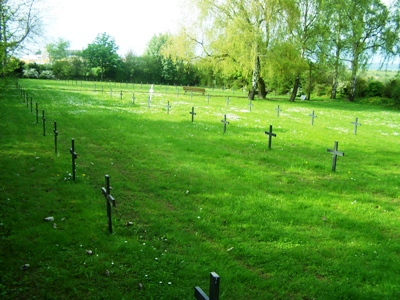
x=102 y=54
x=374 y=89
x=46 y=75
x=58 y=50
x=30 y=73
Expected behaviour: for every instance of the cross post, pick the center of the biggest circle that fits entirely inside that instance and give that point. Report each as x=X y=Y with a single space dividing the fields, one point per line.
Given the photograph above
x=250 y=104
x=225 y=123
x=270 y=135
x=214 y=289
x=227 y=101
x=27 y=101
x=31 y=104
x=44 y=124
x=109 y=200
x=121 y=94
x=208 y=98
x=191 y=95
x=168 y=107
x=277 y=111
x=149 y=101
x=55 y=136
x=355 y=125
x=313 y=116
x=74 y=156
x=110 y=92
x=192 y=113
x=133 y=98
x=335 y=153
x=37 y=113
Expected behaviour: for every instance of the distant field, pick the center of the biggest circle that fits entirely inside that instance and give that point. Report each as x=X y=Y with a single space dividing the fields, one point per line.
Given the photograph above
x=191 y=199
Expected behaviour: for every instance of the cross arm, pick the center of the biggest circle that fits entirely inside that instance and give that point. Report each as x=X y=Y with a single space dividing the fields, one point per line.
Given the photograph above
x=199 y=294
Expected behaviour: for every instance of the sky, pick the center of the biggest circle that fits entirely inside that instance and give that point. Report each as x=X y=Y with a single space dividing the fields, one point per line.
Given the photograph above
x=132 y=23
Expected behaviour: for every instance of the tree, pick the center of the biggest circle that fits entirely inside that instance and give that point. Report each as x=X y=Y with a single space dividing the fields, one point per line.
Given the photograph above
x=237 y=35
x=58 y=50
x=367 y=21
x=102 y=54
x=20 y=20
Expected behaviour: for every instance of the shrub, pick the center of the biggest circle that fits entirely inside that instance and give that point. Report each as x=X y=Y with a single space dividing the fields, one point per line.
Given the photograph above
x=30 y=73
x=374 y=89
x=46 y=75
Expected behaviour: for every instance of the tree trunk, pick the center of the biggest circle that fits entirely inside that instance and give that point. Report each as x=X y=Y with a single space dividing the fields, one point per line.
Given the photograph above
x=353 y=81
x=309 y=83
x=295 y=88
x=256 y=76
x=262 y=92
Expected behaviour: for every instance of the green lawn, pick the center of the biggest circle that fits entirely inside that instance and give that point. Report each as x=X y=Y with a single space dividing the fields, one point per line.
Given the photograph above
x=274 y=224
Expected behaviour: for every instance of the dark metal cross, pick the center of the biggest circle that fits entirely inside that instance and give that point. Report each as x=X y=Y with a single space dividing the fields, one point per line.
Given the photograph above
x=37 y=113
x=355 y=125
x=31 y=104
x=121 y=95
x=270 y=135
x=250 y=104
x=109 y=200
x=74 y=156
x=193 y=114
x=335 y=153
x=55 y=136
x=133 y=98
x=148 y=101
x=214 y=289
x=277 y=111
x=44 y=124
x=225 y=123
x=168 y=107
x=313 y=116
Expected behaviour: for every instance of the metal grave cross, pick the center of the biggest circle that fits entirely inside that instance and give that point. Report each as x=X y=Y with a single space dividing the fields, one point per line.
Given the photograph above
x=55 y=136
x=37 y=113
x=192 y=113
x=250 y=104
x=277 y=111
x=214 y=289
x=133 y=98
x=227 y=101
x=74 y=156
x=270 y=135
x=335 y=153
x=31 y=104
x=44 y=123
x=109 y=200
x=225 y=123
x=111 y=92
x=121 y=94
x=168 y=107
x=313 y=116
x=148 y=101
x=208 y=98
x=355 y=125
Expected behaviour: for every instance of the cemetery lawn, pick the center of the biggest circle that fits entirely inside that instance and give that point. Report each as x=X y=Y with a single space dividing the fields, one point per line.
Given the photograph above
x=273 y=224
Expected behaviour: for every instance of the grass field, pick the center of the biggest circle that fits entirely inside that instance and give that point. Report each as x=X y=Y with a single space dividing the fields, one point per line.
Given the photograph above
x=190 y=199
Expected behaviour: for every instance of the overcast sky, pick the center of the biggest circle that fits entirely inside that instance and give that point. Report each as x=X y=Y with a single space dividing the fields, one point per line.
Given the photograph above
x=131 y=22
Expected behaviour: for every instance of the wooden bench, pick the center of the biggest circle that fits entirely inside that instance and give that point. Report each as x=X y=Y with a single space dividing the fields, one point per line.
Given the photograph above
x=193 y=89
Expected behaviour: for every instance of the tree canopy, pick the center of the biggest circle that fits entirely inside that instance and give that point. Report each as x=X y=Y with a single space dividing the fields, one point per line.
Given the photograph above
x=102 y=54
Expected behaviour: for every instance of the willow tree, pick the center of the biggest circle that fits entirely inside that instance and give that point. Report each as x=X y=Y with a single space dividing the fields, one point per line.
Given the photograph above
x=237 y=35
